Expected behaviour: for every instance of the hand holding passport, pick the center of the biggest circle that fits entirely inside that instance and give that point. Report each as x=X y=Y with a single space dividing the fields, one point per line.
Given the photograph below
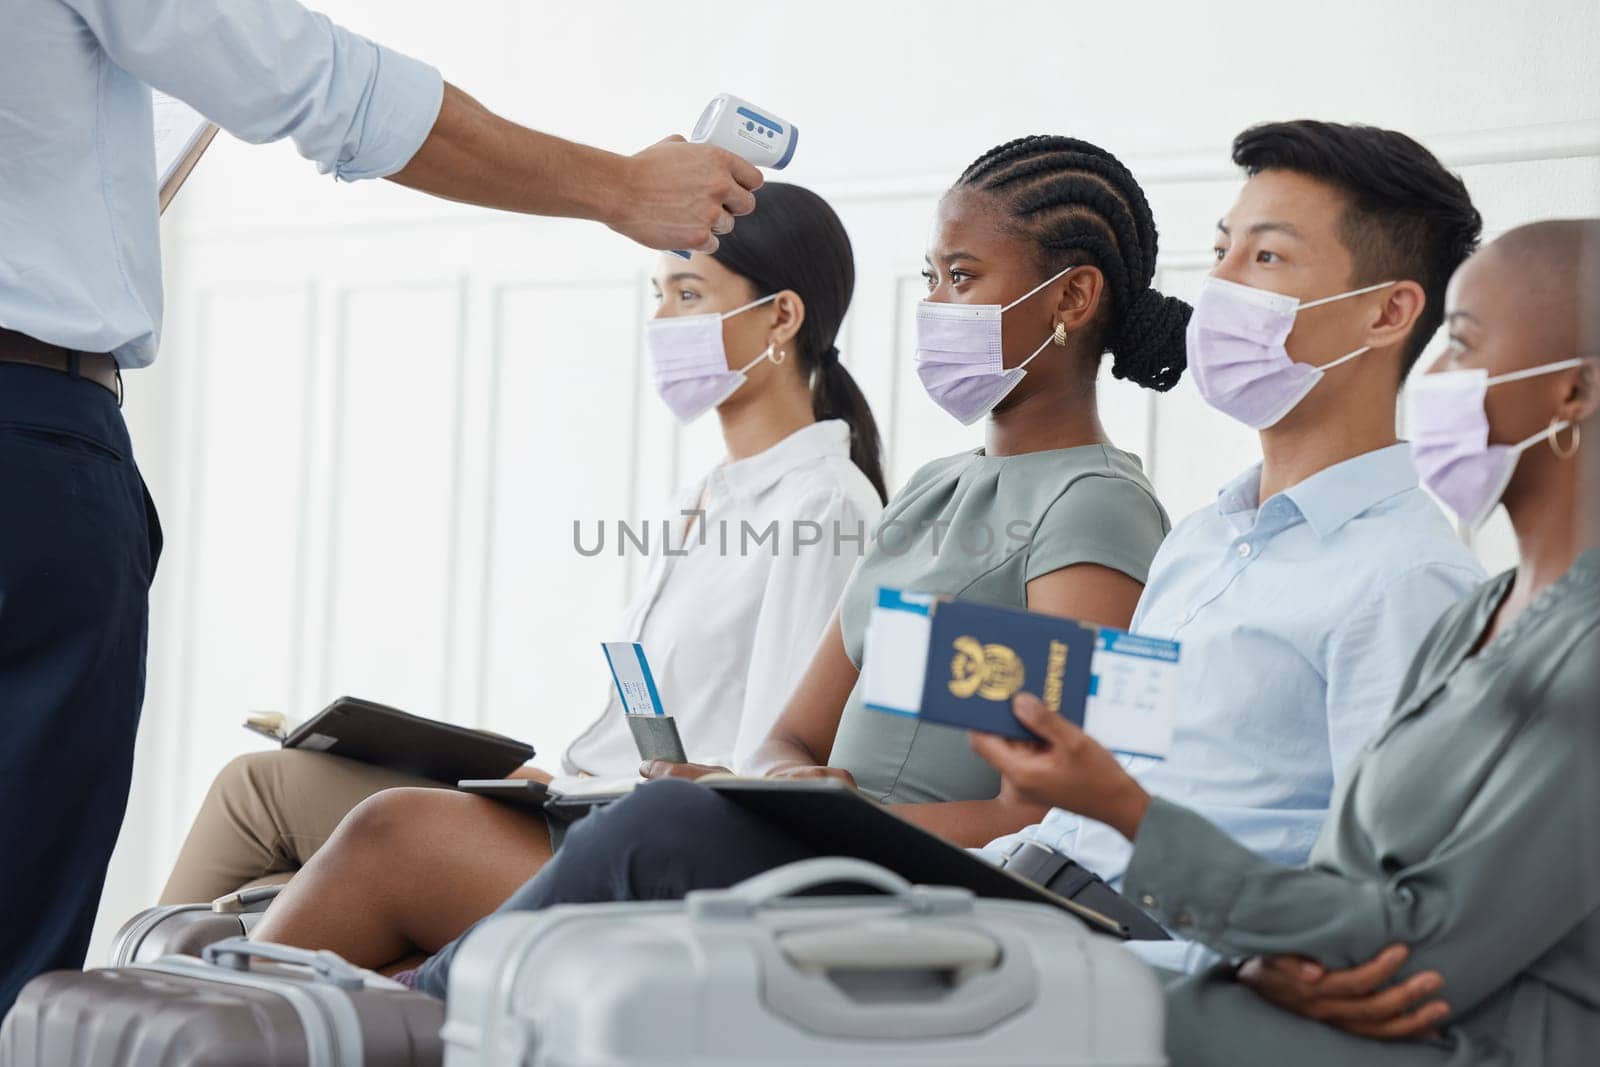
x=960 y=663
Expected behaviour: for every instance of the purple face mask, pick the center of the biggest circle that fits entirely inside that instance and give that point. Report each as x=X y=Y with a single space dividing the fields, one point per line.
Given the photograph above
x=1450 y=447
x=959 y=359
x=688 y=363
x=1236 y=348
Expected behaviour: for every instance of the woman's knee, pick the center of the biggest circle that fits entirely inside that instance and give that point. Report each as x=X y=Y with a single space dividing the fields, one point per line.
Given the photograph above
x=393 y=821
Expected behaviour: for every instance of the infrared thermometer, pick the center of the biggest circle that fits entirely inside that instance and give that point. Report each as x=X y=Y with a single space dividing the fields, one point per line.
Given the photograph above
x=754 y=134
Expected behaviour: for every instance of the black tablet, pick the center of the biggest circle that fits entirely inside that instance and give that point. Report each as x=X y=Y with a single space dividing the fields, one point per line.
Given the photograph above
x=388 y=737
x=523 y=792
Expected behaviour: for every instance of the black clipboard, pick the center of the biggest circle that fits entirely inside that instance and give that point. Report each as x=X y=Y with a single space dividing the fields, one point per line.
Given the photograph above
x=388 y=737
x=836 y=820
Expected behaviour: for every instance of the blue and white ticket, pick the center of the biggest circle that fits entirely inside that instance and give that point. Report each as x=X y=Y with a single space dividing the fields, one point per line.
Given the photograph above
x=895 y=657
x=635 y=684
x=1132 y=693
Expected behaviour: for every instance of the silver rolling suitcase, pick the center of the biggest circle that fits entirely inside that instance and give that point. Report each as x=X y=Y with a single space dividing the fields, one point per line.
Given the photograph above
x=757 y=975
x=186 y=929
x=308 y=1009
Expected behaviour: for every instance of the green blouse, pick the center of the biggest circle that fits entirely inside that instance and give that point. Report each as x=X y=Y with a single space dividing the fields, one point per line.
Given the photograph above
x=982 y=527
x=1469 y=829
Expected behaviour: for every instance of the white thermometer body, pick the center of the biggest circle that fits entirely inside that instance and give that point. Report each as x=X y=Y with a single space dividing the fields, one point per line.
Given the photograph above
x=754 y=134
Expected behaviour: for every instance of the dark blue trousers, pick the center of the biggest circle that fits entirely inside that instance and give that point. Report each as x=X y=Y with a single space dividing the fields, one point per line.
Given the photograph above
x=79 y=541
x=667 y=838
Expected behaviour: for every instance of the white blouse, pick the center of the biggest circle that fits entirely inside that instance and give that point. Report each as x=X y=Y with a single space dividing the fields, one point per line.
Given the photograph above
x=729 y=616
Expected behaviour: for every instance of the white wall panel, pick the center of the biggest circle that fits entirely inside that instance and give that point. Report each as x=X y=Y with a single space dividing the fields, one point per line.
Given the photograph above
x=562 y=444
x=244 y=535
x=393 y=505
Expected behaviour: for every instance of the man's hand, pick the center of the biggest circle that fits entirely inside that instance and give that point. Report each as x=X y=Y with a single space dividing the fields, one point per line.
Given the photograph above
x=680 y=195
x=1065 y=768
x=660 y=768
x=1363 y=1000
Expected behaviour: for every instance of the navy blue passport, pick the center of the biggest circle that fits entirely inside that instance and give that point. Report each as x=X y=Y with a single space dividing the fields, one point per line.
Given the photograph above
x=979 y=657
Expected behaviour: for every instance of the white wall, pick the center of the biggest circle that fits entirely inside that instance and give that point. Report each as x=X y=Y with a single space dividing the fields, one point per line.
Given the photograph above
x=377 y=415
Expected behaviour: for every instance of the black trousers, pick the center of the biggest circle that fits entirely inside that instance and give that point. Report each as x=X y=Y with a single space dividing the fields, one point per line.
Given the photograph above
x=79 y=541
x=663 y=840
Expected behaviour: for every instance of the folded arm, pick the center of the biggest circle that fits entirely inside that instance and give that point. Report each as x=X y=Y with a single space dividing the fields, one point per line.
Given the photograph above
x=1463 y=910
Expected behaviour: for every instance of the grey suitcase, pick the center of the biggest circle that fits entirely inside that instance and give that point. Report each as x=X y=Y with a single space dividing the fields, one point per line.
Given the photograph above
x=309 y=1009
x=186 y=929
x=758 y=975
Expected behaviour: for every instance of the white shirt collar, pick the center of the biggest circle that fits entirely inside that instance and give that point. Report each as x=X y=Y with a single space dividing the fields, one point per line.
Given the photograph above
x=755 y=474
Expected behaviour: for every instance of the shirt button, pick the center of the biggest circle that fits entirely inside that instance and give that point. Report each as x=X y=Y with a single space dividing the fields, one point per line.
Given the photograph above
x=1147 y=901
x=1244 y=549
x=1183 y=919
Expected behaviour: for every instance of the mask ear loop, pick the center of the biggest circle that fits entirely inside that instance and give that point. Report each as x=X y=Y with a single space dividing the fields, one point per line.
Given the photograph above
x=1534 y=372
x=1341 y=296
x=1346 y=358
x=770 y=345
x=1036 y=351
x=1048 y=281
x=1551 y=433
x=746 y=307
x=776 y=360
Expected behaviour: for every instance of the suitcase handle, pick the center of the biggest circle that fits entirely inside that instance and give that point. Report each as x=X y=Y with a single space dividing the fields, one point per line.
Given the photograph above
x=329 y=968
x=893 y=943
x=245 y=900
x=773 y=887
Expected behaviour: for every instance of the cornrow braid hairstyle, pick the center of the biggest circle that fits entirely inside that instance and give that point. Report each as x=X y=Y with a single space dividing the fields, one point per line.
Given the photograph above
x=1081 y=206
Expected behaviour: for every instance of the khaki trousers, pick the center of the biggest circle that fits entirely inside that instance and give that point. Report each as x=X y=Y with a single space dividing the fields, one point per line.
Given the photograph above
x=266 y=815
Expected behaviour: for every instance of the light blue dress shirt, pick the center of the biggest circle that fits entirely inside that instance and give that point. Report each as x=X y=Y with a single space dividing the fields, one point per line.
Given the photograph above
x=1298 y=618
x=80 y=255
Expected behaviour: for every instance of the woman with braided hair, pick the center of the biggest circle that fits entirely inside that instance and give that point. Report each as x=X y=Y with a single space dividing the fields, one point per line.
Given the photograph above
x=1039 y=262
x=1080 y=206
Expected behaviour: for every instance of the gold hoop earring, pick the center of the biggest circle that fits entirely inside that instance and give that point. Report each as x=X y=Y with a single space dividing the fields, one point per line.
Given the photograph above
x=776 y=359
x=1572 y=449
x=1060 y=336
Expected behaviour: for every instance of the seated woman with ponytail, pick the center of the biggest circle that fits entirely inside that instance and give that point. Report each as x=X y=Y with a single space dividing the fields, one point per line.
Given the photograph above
x=1041 y=261
x=802 y=448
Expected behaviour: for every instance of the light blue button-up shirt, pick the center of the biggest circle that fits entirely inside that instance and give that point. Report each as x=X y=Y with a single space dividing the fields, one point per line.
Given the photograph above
x=80 y=255
x=1298 y=619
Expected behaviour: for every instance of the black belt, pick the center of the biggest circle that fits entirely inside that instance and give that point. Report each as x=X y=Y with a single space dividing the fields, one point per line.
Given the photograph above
x=97 y=367
x=1062 y=876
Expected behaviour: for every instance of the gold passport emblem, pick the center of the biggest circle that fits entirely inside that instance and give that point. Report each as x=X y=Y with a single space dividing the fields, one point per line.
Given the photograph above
x=993 y=672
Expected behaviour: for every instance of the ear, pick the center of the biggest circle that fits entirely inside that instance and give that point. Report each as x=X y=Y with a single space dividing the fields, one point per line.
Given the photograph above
x=788 y=315
x=1401 y=306
x=1583 y=397
x=1078 y=297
